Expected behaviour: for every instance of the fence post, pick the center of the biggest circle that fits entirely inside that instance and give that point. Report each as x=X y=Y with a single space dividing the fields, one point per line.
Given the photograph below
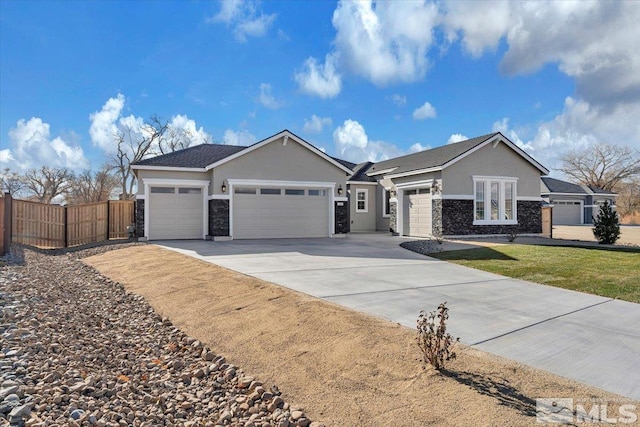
x=7 y=224
x=66 y=228
x=108 y=220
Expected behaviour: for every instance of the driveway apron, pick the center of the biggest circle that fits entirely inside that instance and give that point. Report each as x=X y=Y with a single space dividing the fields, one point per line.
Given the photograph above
x=591 y=339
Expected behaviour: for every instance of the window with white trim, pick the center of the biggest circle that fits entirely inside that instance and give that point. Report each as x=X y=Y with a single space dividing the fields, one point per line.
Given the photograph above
x=386 y=204
x=362 y=200
x=494 y=200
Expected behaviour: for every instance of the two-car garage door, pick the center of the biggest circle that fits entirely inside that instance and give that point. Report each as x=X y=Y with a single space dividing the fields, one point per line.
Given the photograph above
x=270 y=212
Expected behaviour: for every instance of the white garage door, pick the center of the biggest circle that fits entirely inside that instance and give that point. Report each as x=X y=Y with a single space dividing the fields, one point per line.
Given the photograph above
x=175 y=213
x=264 y=213
x=566 y=212
x=417 y=212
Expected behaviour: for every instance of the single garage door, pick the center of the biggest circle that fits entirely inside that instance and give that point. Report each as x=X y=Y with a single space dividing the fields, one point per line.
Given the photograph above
x=566 y=212
x=267 y=212
x=175 y=213
x=417 y=212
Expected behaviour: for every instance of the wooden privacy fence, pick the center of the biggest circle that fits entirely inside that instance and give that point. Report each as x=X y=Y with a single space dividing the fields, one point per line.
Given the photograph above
x=52 y=226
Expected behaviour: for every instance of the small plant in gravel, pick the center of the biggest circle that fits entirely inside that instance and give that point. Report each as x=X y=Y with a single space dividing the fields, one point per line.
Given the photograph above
x=606 y=225
x=434 y=341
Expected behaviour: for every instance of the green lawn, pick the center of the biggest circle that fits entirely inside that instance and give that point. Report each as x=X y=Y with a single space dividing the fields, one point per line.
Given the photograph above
x=610 y=273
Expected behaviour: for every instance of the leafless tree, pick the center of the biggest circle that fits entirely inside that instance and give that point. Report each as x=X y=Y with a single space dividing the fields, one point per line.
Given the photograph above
x=12 y=182
x=45 y=184
x=175 y=139
x=602 y=165
x=134 y=145
x=155 y=137
x=89 y=187
x=628 y=200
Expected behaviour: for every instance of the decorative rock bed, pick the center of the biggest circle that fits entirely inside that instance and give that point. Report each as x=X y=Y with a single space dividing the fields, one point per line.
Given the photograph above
x=77 y=349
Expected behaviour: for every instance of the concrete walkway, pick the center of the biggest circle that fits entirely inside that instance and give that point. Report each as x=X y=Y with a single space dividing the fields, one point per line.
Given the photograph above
x=591 y=339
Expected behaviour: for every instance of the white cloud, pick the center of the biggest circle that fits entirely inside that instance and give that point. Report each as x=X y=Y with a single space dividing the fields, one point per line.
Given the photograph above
x=103 y=123
x=418 y=147
x=242 y=137
x=457 y=137
x=183 y=125
x=579 y=125
x=319 y=79
x=426 y=111
x=32 y=147
x=315 y=124
x=385 y=42
x=5 y=156
x=592 y=42
x=352 y=143
x=245 y=17
x=267 y=99
x=399 y=100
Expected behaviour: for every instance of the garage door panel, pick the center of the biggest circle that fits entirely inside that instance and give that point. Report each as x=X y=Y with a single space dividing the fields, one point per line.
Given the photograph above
x=259 y=216
x=418 y=215
x=566 y=213
x=175 y=216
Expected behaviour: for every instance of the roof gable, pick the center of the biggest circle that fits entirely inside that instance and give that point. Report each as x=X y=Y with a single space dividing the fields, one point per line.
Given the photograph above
x=207 y=156
x=446 y=155
x=286 y=134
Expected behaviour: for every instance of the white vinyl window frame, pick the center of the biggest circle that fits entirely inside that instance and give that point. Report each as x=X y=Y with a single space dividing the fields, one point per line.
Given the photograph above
x=364 y=200
x=501 y=182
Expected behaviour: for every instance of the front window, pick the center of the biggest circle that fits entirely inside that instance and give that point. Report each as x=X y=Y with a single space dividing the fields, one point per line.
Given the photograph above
x=361 y=200
x=508 y=200
x=495 y=200
x=479 y=201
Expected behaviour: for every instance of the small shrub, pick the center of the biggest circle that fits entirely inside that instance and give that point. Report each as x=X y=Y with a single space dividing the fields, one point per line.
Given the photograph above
x=606 y=225
x=434 y=341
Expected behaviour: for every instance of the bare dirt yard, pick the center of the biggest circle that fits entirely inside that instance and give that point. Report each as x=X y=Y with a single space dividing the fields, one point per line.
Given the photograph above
x=340 y=366
x=629 y=234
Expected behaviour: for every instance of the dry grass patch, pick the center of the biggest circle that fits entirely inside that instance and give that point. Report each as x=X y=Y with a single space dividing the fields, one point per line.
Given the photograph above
x=342 y=367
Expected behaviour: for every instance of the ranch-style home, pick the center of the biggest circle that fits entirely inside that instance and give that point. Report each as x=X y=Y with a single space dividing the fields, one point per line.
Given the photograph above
x=574 y=204
x=284 y=187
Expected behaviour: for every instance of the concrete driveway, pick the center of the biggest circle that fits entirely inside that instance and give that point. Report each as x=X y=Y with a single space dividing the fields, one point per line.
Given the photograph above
x=587 y=338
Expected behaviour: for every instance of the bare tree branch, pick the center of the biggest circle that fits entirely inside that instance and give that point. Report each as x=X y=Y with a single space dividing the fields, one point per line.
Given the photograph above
x=89 y=187
x=602 y=165
x=45 y=184
x=12 y=182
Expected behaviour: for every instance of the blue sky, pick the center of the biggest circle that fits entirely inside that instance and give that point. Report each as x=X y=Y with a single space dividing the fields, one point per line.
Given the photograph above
x=361 y=80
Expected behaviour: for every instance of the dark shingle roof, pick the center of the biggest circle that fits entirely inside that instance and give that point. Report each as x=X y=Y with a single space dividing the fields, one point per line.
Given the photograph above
x=360 y=173
x=430 y=158
x=198 y=156
x=559 y=186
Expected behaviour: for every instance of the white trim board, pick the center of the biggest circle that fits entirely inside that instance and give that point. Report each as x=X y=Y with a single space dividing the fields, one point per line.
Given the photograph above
x=361 y=183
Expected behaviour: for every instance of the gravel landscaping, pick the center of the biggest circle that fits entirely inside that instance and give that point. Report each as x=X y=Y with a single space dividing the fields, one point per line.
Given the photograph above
x=77 y=349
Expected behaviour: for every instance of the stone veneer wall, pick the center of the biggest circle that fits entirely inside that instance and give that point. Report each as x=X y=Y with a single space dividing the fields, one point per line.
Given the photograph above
x=139 y=217
x=218 y=217
x=342 y=217
x=436 y=217
x=393 y=217
x=457 y=219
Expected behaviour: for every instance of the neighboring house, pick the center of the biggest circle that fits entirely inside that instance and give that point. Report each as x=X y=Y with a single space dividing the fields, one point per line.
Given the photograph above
x=285 y=187
x=573 y=204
